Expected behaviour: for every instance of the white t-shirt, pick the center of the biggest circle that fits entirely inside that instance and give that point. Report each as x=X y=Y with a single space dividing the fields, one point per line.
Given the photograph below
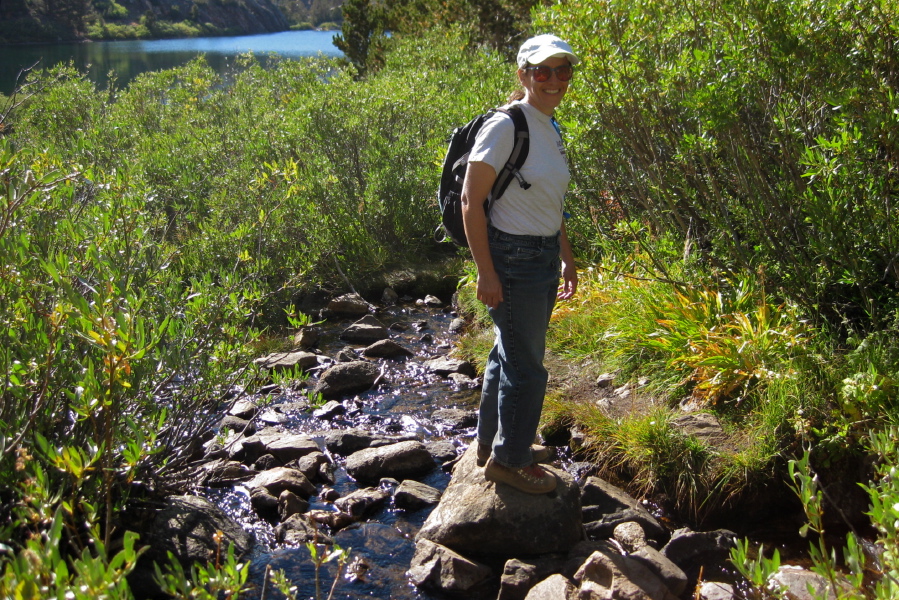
x=538 y=209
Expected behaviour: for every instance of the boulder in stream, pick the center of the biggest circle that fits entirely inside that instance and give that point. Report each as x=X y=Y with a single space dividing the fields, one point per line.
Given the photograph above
x=366 y=330
x=349 y=305
x=444 y=366
x=476 y=517
x=438 y=567
x=400 y=461
x=347 y=378
x=386 y=349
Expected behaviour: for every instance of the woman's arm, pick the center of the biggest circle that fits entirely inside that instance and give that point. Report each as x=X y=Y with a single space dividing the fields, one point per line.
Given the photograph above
x=569 y=272
x=479 y=180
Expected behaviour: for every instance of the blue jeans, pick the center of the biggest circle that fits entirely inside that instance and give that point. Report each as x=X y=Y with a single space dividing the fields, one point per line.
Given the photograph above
x=515 y=378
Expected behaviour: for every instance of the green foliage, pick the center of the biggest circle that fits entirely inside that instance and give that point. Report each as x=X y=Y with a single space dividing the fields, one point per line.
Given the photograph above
x=223 y=578
x=761 y=134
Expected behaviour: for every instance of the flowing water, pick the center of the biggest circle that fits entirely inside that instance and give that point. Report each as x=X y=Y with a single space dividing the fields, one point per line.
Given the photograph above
x=382 y=545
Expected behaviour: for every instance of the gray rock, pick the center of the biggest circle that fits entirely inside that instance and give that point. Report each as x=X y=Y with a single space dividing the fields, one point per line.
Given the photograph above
x=455 y=419
x=362 y=502
x=310 y=465
x=669 y=573
x=238 y=425
x=695 y=550
x=555 y=587
x=389 y=296
x=518 y=577
x=349 y=305
x=717 y=590
x=795 y=582
x=386 y=349
x=264 y=503
x=290 y=504
x=266 y=462
x=432 y=301
x=401 y=460
x=186 y=526
x=347 y=441
x=276 y=480
x=630 y=535
x=412 y=495
x=291 y=447
x=298 y=530
x=367 y=330
x=223 y=473
x=347 y=378
x=437 y=567
x=606 y=576
x=442 y=450
x=703 y=426
x=606 y=506
x=443 y=366
x=457 y=325
x=244 y=409
x=288 y=360
x=307 y=337
x=272 y=417
x=479 y=518
x=329 y=410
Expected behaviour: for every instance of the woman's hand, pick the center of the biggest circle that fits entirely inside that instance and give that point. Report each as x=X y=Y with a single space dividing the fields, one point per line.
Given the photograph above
x=569 y=281
x=490 y=291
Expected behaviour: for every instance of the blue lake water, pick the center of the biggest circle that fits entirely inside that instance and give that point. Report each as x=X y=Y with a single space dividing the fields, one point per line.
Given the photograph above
x=130 y=58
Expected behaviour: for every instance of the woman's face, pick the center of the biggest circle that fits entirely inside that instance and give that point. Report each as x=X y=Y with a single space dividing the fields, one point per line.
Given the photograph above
x=545 y=96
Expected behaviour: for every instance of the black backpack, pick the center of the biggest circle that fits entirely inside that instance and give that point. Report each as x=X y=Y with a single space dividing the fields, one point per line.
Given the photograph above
x=449 y=195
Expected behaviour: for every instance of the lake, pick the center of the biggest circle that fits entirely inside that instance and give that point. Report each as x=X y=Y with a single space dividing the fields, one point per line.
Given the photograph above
x=130 y=58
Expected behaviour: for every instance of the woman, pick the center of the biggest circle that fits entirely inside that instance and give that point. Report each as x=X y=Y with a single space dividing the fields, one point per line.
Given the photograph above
x=517 y=254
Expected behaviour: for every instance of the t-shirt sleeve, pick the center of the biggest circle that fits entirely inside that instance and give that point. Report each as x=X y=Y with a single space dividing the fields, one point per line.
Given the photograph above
x=494 y=142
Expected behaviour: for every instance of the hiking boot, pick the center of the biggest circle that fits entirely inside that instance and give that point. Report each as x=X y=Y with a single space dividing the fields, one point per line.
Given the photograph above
x=530 y=480
x=538 y=453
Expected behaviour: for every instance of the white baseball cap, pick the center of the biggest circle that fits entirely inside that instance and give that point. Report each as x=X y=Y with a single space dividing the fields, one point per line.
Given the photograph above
x=537 y=49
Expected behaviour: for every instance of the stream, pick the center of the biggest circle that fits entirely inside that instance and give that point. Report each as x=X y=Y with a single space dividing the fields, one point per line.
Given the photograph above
x=381 y=547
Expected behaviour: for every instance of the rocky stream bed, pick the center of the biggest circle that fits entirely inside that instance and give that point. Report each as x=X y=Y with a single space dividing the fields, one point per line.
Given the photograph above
x=383 y=467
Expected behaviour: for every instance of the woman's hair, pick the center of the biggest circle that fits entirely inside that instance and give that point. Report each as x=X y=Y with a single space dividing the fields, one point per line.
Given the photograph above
x=516 y=95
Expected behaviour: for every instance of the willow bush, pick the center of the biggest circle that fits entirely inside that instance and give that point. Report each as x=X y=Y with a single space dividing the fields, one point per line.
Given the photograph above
x=764 y=134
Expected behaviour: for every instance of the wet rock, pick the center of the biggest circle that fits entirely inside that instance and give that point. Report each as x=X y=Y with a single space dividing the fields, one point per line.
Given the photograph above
x=307 y=337
x=329 y=410
x=605 y=506
x=437 y=567
x=290 y=504
x=276 y=480
x=222 y=473
x=329 y=494
x=349 y=305
x=432 y=301
x=397 y=326
x=605 y=380
x=555 y=587
x=186 y=526
x=310 y=465
x=291 y=447
x=266 y=462
x=347 y=355
x=717 y=590
x=442 y=450
x=292 y=408
x=366 y=330
x=605 y=576
x=264 y=503
x=386 y=349
x=237 y=425
x=389 y=296
x=455 y=419
x=443 y=366
x=401 y=460
x=288 y=360
x=297 y=530
x=272 y=417
x=695 y=550
x=463 y=381
x=345 y=442
x=362 y=502
x=457 y=325
x=244 y=409
x=347 y=378
x=333 y=520
x=797 y=583
x=477 y=517
x=412 y=495
x=669 y=573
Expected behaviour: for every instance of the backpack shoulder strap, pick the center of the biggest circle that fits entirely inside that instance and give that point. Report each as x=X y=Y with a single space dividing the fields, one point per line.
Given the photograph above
x=519 y=153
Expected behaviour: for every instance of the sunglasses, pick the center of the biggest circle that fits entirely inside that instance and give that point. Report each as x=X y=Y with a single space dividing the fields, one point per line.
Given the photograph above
x=543 y=73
